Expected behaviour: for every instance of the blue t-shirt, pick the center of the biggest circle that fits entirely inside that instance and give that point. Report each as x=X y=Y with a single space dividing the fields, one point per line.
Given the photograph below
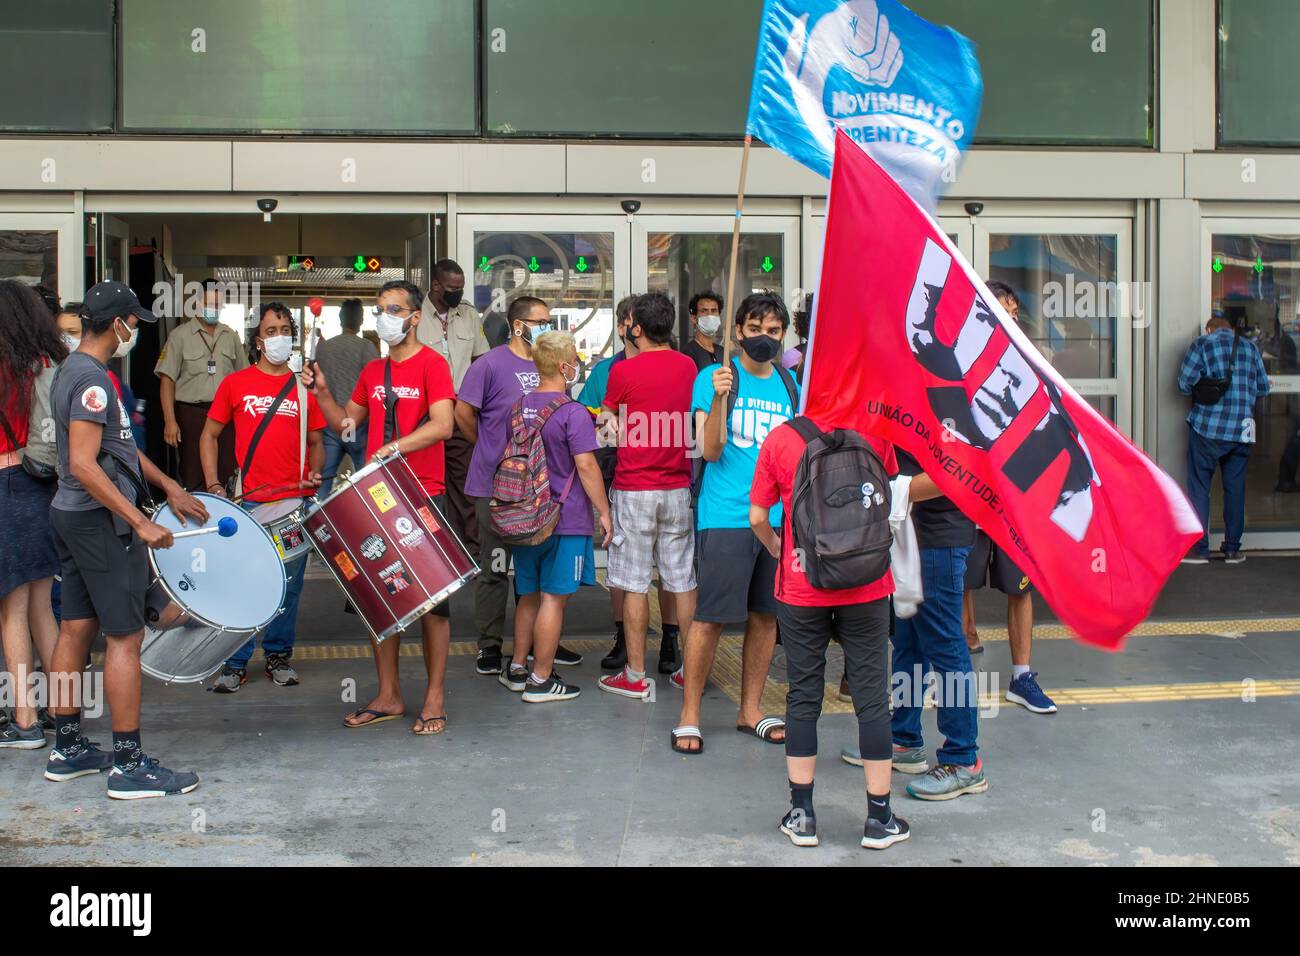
x=761 y=405
x=594 y=388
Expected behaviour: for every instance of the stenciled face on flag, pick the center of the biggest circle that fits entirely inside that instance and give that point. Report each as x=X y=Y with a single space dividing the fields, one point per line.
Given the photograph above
x=908 y=344
x=905 y=90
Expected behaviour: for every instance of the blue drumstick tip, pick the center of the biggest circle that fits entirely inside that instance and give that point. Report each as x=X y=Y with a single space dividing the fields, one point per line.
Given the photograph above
x=227 y=526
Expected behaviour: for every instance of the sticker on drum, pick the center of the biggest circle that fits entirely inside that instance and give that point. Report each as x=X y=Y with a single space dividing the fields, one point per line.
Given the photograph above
x=383 y=498
x=289 y=539
x=323 y=534
x=373 y=548
x=408 y=535
x=394 y=578
x=427 y=515
x=345 y=565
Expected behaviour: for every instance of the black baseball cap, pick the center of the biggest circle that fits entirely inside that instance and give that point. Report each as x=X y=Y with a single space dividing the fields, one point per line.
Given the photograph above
x=108 y=300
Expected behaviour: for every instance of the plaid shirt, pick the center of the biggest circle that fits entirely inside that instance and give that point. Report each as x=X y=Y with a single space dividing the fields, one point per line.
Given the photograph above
x=1208 y=357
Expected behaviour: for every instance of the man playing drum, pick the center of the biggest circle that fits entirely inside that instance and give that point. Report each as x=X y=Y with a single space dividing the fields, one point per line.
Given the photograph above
x=422 y=396
x=101 y=538
x=274 y=473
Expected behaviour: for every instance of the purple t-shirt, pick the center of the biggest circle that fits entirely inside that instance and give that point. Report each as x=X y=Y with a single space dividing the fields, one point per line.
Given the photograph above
x=569 y=432
x=492 y=385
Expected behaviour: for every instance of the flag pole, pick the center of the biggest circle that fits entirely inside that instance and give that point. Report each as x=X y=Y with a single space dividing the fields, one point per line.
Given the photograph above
x=731 y=272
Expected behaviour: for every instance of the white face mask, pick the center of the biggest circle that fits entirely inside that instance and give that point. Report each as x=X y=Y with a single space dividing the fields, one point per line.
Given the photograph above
x=277 y=349
x=71 y=342
x=570 y=382
x=709 y=324
x=124 y=348
x=391 y=328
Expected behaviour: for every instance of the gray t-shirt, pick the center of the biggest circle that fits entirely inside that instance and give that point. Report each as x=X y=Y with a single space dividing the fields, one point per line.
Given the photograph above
x=342 y=358
x=83 y=392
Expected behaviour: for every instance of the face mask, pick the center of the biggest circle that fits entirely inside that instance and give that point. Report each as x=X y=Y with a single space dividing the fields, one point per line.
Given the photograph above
x=709 y=324
x=761 y=348
x=570 y=382
x=452 y=298
x=124 y=348
x=277 y=349
x=530 y=333
x=71 y=342
x=391 y=328
x=211 y=316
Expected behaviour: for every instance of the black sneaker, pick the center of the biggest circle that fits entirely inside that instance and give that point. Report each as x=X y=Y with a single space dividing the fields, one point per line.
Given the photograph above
x=553 y=689
x=567 y=658
x=667 y=654
x=616 y=659
x=148 y=778
x=879 y=836
x=800 y=827
x=281 y=671
x=13 y=737
x=513 y=678
x=80 y=759
x=1233 y=557
x=488 y=661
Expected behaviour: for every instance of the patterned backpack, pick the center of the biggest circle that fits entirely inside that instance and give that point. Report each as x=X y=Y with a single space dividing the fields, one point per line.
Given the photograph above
x=522 y=508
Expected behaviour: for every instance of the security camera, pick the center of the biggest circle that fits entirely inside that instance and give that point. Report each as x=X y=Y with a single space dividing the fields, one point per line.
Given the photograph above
x=973 y=208
x=267 y=206
x=630 y=206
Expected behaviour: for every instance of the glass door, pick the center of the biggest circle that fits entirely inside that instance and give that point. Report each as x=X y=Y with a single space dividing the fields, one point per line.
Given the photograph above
x=1251 y=271
x=37 y=249
x=578 y=265
x=1078 y=304
x=683 y=255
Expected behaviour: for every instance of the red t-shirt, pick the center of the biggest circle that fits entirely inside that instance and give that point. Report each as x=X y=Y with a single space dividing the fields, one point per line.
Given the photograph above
x=244 y=397
x=656 y=388
x=419 y=381
x=773 y=481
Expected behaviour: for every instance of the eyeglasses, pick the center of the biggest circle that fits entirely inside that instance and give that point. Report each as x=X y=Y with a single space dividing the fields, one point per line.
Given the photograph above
x=393 y=310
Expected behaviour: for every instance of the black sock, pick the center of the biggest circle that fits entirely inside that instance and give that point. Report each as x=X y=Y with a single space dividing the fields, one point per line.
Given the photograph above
x=618 y=630
x=878 y=807
x=126 y=749
x=670 y=631
x=66 y=730
x=801 y=797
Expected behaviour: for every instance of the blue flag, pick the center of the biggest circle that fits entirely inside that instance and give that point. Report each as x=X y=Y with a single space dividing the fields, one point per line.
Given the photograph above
x=905 y=90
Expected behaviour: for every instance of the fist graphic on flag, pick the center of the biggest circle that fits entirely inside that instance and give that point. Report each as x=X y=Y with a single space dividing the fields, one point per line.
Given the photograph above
x=859 y=33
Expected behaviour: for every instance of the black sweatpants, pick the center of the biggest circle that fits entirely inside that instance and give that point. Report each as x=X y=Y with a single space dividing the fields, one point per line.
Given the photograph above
x=863 y=633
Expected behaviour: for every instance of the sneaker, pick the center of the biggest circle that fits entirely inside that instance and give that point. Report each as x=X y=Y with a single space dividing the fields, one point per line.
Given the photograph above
x=1287 y=487
x=906 y=759
x=564 y=657
x=1233 y=557
x=948 y=781
x=678 y=679
x=881 y=836
x=621 y=684
x=230 y=680
x=1024 y=690
x=281 y=671
x=488 y=661
x=667 y=654
x=843 y=695
x=46 y=720
x=1196 y=559
x=79 y=759
x=800 y=827
x=22 y=738
x=617 y=656
x=553 y=689
x=148 y=778
x=513 y=677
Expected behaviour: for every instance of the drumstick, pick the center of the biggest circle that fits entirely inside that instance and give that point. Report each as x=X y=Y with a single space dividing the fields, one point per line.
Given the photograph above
x=225 y=527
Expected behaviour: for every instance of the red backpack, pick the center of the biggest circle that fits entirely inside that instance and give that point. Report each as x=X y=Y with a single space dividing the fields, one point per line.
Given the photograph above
x=522 y=508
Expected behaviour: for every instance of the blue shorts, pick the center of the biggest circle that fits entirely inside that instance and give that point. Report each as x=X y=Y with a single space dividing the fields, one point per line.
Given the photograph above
x=559 y=565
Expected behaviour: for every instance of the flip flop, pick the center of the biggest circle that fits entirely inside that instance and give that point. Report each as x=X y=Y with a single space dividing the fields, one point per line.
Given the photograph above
x=977 y=649
x=428 y=720
x=686 y=730
x=376 y=717
x=764 y=729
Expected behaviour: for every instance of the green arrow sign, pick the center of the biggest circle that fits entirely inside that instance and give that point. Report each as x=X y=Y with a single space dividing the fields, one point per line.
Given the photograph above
x=1259 y=264
x=360 y=264
x=484 y=265
x=581 y=265
x=533 y=265
x=1218 y=264
x=767 y=265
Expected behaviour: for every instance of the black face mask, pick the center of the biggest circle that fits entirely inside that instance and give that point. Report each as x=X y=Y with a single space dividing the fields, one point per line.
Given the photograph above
x=452 y=299
x=761 y=348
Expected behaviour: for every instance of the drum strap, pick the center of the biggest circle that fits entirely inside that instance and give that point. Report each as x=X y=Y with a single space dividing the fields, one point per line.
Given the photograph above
x=390 y=406
x=302 y=426
x=265 y=423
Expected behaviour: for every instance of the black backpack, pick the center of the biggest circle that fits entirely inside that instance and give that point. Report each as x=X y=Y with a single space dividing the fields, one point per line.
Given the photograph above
x=839 y=509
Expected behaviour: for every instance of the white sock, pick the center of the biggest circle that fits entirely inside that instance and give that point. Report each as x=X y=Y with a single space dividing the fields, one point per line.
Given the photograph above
x=634 y=676
x=535 y=679
x=1019 y=670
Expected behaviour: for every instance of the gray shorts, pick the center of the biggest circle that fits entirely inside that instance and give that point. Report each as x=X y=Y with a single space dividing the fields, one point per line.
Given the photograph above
x=737 y=576
x=652 y=529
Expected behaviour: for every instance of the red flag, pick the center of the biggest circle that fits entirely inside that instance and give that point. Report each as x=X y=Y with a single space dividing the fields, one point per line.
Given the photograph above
x=908 y=344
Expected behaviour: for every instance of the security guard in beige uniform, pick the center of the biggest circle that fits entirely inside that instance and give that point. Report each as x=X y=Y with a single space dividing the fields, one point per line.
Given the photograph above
x=457 y=335
x=197 y=355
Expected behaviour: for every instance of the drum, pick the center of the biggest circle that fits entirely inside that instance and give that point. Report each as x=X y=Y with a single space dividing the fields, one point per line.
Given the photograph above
x=209 y=594
x=389 y=547
x=283 y=521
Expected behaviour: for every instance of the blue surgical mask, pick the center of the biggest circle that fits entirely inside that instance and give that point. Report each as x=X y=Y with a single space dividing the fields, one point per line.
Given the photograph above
x=211 y=316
